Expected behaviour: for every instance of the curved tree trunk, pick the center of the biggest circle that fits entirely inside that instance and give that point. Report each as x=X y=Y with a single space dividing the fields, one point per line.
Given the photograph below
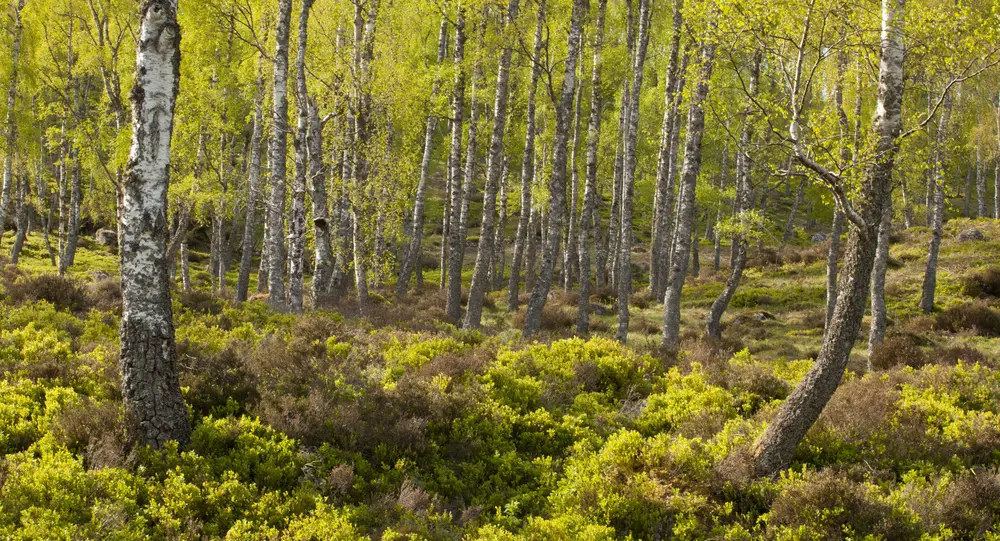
x=524 y=233
x=557 y=181
x=484 y=255
x=980 y=187
x=773 y=451
x=412 y=256
x=149 y=367
x=686 y=205
x=589 y=212
x=738 y=259
x=277 y=162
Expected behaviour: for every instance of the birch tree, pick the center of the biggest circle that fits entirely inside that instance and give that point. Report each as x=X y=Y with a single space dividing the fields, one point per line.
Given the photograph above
x=149 y=365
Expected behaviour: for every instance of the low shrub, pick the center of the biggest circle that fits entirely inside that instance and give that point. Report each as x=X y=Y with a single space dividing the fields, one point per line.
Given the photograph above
x=900 y=350
x=982 y=283
x=65 y=293
x=977 y=317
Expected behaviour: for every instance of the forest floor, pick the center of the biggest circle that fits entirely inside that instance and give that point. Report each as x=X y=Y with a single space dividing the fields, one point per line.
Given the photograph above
x=328 y=426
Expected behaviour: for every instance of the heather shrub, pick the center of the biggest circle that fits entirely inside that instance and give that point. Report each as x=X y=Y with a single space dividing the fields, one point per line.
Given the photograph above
x=900 y=350
x=64 y=293
x=825 y=505
x=982 y=283
x=976 y=317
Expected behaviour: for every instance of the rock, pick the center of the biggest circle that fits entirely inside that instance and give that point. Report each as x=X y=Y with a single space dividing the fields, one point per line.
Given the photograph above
x=761 y=315
x=97 y=276
x=819 y=237
x=107 y=237
x=970 y=235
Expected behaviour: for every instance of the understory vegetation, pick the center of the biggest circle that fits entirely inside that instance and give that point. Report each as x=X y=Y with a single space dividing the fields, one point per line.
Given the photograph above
x=327 y=426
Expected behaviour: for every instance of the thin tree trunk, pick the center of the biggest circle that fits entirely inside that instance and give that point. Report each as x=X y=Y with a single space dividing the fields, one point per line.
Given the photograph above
x=453 y=304
x=297 y=219
x=980 y=187
x=937 y=223
x=494 y=171
x=557 y=181
x=500 y=235
x=773 y=451
x=11 y=123
x=153 y=404
x=525 y=233
x=571 y=259
x=323 y=263
x=668 y=215
x=413 y=250
x=876 y=333
x=716 y=237
x=277 y=162
x=626 y=236
x=589 y=212
x=744 y=189
x=185 y=264
x=253 y=189
x=686 y=205
x=23 y=211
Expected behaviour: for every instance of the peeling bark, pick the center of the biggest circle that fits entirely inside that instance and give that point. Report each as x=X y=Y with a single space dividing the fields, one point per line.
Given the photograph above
x=149 y=367
x=278 y=156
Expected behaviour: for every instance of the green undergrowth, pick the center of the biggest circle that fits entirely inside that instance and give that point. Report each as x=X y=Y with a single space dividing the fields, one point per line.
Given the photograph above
x=323 y=426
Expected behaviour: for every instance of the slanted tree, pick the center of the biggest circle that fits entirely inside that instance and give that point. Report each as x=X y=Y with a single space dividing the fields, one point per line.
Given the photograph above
x=773 y=450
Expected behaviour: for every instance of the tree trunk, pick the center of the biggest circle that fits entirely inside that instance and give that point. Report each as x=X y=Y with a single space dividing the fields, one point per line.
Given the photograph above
x=590 y=195
x=253 y=189
x=297 y=218
x=557 y=181
x=937 y=216
x=68 y=255
x=23 y=211
x=500 y=235
x=323 y=263
x=185 y=264
x=686 y=205
x=716 y=237
x=832 y=265
x=265 y=262
x=663 y=197
x=11 y=123
x=484 y=255
x=412 y=257
x=980 y=187
x=668 y=214
x=364 y=42
x=624 y=275
x=773 y=451
x=453 y=304
x=744 y=189
x=525 y=233
x=149 y=367
x=277 y=162
x=571 y=259
x=876 y=333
